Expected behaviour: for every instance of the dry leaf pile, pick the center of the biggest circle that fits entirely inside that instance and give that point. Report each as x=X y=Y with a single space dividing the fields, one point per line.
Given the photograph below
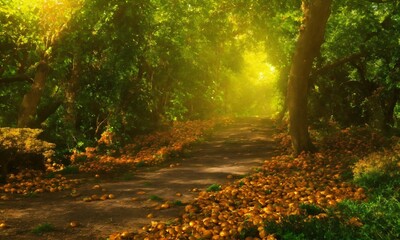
x=276 y=192
x=33 y=181
x=148 y=149
x=240 y=210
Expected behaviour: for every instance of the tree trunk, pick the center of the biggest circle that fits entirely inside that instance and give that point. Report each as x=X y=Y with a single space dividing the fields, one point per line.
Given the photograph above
x=70 y=94
x=316 y=14
x=31 y=99
x=44 y=112
x=388 y=110
x=283 y=86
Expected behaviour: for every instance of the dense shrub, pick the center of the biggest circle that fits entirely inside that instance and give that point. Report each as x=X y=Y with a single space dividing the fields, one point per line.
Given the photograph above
x=21 y=148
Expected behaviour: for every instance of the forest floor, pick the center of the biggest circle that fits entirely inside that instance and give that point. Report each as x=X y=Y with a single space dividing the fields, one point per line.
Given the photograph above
x=156 y=193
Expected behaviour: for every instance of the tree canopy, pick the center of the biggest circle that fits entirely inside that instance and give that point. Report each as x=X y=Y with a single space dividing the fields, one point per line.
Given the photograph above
x=77 y=68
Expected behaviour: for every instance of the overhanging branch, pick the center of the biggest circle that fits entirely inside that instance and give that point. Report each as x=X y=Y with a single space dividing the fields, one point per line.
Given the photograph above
x=18 y=78
x=337 y=63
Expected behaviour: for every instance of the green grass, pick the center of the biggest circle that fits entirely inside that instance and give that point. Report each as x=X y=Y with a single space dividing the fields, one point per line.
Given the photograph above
x=43 y=228
x=214 y=188
x=177 y=203
x=299 y=227
x=379 y=215
x=126 y=176
x=311 y=209
x=155 y=198
x=50 y=175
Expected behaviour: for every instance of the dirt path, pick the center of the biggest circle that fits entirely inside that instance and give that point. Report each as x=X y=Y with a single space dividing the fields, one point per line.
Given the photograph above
x=233 y=150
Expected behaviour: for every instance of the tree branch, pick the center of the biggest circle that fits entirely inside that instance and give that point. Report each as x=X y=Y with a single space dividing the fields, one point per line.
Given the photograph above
x=18 y=78
x=337 y=63
x=45 y=112
x=381 y=1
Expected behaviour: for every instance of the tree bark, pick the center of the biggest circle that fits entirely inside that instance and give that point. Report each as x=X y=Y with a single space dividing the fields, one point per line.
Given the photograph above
x=45 y=112
x=283 y=86
x=315 y=15
x=70 y=94
x=388 y=110
x=31 y=99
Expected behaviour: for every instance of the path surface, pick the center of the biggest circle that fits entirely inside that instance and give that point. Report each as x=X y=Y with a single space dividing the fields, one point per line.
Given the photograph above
x=236 y=149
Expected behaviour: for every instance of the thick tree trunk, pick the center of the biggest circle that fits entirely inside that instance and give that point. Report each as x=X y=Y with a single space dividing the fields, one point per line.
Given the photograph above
x=31 y=99
x=316 y=14
x=45 y=112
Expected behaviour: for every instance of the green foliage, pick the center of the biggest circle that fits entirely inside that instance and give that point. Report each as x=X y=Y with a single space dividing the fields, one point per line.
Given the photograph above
x=248 y=231
x=177 y=203
x=137 y=64
x=311 y=209
x=362 y=89
x=213 y=188
x=24 y=140
x=379 y=216
x=299 y=227
x=133 y=66
x=22 y=148
x=376 y=218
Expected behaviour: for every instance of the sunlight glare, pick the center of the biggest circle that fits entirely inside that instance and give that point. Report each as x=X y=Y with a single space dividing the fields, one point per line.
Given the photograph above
x=254 y=87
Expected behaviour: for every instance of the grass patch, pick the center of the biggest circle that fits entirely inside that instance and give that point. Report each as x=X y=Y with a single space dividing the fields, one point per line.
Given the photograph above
x=376 y=218
x=311 y=209
x=30 y=195
x=380 y=217
x=380 y=184
x=50 y=175
x=214 y=188
x=241 y=183
x=126 y=176
x=43 y=228
x=177 y=203
x=242 y=176
x=248 y=232
x=300 y=227
x=156 y=198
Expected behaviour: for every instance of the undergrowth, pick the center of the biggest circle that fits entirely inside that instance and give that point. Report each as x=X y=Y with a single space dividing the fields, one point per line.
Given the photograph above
x=376 y=218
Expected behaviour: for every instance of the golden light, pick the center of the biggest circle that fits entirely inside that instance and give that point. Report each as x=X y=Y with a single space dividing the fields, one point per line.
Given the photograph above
x=253 y=89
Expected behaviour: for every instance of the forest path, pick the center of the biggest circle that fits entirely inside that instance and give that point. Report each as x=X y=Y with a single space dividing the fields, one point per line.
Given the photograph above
x=236 y=149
